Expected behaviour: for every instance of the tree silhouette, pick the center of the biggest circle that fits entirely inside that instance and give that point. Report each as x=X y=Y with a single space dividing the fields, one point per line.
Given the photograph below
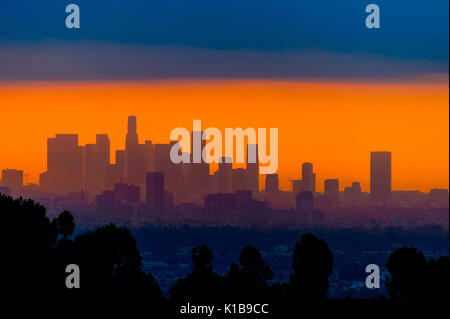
x=112 y=264
x=203 y=284
x=65 y=224
x=254 y=265
x=312 y=262
x=201 y=260
x=34 y=261
x=26 y=240
x=413 y=278
x=249 y=282
x=439 y=278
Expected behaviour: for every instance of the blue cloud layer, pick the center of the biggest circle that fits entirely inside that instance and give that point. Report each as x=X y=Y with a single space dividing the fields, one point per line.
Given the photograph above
x=222 y=38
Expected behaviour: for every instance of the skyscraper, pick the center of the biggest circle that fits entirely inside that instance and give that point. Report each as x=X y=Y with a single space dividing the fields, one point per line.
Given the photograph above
x=296 y=186
x=304 y=207
x=96 y=162
x=308 y=178
x=134 y=155
x=12 y=178
x=380 y=177
x=155 y=191
x=64 y=165
x=171 y=171
x=252 y=168
x=353 y=195
x=332 y=189
x=198 y=169
x=224 y=176
x=272 y=188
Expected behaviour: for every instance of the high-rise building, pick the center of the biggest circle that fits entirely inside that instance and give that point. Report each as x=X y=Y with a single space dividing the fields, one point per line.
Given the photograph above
x=96 y=162
x=64 y=165
x=252 y=168
x=332 y=189
x=224 y=176
x=272 y=188
x=12 y=178
x=304 y=207
x=439 y=196
x=172 y=172
x=198 y=169
x=353 y=195
x=308 y=178
x=380 y=177
x=239 y=179
x=135 y=157
x=297 y=186
x=155 y=191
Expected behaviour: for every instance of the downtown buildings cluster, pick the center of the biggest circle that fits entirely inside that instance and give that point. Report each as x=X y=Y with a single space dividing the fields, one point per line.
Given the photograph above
x=144 y=184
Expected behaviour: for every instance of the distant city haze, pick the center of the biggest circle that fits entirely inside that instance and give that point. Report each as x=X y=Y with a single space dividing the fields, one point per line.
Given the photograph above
x=335 y=126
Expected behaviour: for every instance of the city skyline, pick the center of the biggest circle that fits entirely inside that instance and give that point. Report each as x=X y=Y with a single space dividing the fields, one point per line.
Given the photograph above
x=92 y=170
x=335 y=134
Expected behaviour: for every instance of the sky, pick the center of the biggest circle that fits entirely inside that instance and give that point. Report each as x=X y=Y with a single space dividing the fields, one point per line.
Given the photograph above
x=335 y=89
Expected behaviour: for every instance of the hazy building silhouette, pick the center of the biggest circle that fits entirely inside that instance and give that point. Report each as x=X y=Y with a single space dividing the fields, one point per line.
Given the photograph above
x=332 y=189
x=198 y=170
x=149 y=154
x=304 y=207
x=272 y=188
x=168 y=201
x=353 y=195
x=133 y=194
x=64 y=165
x=224 y=176
x=439 y=196
x=297 y=186
x=380 y=177
x=5 y=190
x=308 y=178
x=220 y=203
x=135 y=155
x=155 y=191
x=252 y=179
x=127 y=193
x=239 y=179
x=115 y=173
x=96 y=163
x=12 y=178
x=172 y=172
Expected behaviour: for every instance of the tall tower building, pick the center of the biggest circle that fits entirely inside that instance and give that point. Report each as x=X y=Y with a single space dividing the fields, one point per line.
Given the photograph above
x=308 y=178
x=272 y=187
x=332 y=189
x=224 y=176
x=64 y=165
x=198 y=168
x=135 y=155
x=380 y=177
x=353 y=195
x=155 y=191
x=252 y=168
x=132 y=137
x=296 y=186
x=171 y=171
x=131 y=152
x=96 y=162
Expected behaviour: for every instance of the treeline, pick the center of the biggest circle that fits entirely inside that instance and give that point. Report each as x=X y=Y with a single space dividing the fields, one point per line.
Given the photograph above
x=35 y=251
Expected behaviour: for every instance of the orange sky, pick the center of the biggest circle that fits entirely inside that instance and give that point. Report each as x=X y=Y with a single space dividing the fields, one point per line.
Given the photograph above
x=333 y=125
